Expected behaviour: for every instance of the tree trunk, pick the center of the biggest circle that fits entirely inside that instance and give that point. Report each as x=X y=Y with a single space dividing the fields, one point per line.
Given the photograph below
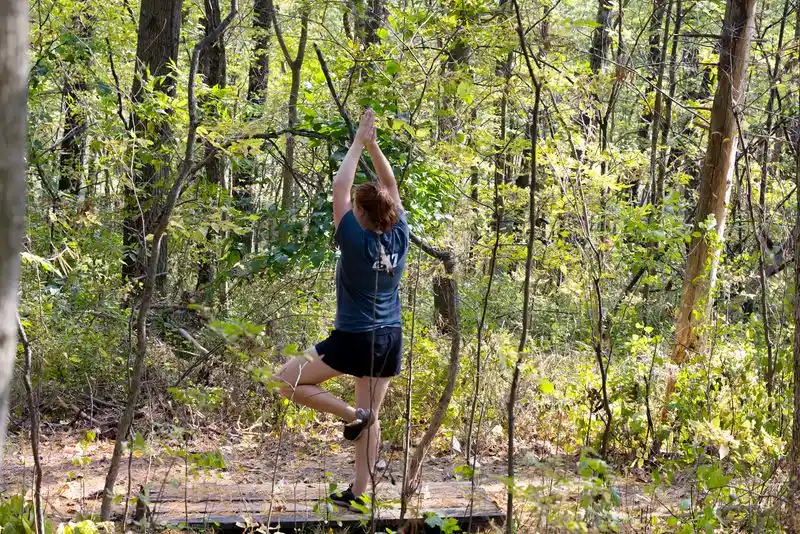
x=375 y=19
x=244 y=176
x=526 y=285
x=156 y=50
x=412 y=482
x=656 y=187
x=454 y=59
x=601 y=37
x=773 y=96
x=258 y=73
x=73 y=141
x=213 y=65
x=33 y=409
x=503 y=69
x=653 y=67
x=73 y=144
x=793 y=525
x=666 y=127
x=716 y=174
x=13 y=148
x=295 y=65
x=162 y=218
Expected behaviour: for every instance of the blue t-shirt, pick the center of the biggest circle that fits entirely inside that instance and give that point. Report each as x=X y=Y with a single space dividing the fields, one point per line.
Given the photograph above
x=359 y=261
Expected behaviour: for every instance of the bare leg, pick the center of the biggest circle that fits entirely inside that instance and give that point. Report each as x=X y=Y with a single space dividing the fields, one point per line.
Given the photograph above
x=370 y=393
x=300 y=377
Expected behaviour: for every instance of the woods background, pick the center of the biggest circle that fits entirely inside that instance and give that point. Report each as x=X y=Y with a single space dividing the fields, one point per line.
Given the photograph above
x=604 y=205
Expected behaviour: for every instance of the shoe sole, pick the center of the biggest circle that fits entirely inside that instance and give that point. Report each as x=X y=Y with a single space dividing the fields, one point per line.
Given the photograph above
x=347 y=506
x=369 y=422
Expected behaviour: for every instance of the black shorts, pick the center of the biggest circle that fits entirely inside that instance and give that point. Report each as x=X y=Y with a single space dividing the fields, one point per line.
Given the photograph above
x=351 y=353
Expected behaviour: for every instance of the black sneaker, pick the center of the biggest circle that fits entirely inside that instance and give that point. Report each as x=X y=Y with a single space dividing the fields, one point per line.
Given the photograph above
x=364 y=418
x=348 y=499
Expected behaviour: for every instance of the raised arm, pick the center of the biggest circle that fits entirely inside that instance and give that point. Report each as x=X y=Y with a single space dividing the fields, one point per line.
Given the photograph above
x=343 y=182
x=383 y=170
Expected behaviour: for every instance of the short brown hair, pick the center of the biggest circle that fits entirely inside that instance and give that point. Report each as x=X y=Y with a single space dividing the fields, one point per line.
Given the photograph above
x=378 y=206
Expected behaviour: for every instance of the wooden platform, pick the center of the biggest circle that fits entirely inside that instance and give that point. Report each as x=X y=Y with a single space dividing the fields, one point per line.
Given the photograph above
x=303 y=507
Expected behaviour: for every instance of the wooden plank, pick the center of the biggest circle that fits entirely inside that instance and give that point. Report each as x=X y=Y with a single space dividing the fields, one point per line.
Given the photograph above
x=227 y=504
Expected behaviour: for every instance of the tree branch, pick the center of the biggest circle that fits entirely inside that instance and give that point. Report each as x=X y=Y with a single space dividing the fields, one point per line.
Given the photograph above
x=279 y=33
x=329 y=81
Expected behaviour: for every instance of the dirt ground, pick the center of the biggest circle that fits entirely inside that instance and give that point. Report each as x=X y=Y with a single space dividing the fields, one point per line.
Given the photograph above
x=74 y=473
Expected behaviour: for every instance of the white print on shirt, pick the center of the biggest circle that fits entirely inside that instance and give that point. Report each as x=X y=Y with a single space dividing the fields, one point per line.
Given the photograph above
x=384 y=262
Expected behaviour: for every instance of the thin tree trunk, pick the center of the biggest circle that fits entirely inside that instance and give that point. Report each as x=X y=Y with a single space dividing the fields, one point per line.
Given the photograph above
x=762 y=279
x=455 y=58
x=654 y=54
x=73 y=144
x=375 y=20
x=773 y=95
x=472 y=448
x=526 y=285
x=793 y=524
x=295 y=66
x=156 y=51
x=601 y=37
x=244 y=176
x=73 y=140
x=701 y=265
x=657 y=188
x=663 y=159
x=412 y=482
x=501 y=161
x=159 y=230
x=33 y=409
x=213 y=65
x=13 y=122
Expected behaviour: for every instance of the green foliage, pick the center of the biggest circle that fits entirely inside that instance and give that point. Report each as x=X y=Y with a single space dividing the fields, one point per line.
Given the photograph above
x=607 y=259
x=17 y=516
x=446 y=525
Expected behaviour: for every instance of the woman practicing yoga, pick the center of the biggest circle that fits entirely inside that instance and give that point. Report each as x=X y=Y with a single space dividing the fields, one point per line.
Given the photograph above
x=367 y=343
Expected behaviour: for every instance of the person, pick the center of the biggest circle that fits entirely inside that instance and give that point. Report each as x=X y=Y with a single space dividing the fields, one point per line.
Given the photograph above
x=367 y=342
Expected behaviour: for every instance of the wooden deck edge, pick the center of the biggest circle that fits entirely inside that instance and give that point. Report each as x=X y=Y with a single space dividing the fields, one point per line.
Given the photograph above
x=236 y=523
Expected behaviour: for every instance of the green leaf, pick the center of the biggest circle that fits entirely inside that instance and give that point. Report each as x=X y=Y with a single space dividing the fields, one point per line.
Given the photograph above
x=392 y=67
x=44 y=263
x=546 y=387
x=433 y=520
x=464 y=91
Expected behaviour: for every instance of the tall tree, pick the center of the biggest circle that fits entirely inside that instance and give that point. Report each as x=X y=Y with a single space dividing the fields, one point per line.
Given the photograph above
x=375 y=19
x=73 y=140
x=656 y=187
x=601 y=37
x=13 y=142
x=213 y=66
x=295 y=65
x=526 y=285
x=156 y=51
x=794 y=453
x=653 y=64
x=175 y=188
x=774 y=76
x=244 y=175
x=702 y=262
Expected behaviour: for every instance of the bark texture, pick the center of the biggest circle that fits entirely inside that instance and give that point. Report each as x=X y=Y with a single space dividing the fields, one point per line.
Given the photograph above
x=213 y=65
x=13 y=122
x=715 y=180
x=156 y=50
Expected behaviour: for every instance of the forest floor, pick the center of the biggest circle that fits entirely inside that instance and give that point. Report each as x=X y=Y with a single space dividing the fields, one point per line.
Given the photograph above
x=74 y=472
